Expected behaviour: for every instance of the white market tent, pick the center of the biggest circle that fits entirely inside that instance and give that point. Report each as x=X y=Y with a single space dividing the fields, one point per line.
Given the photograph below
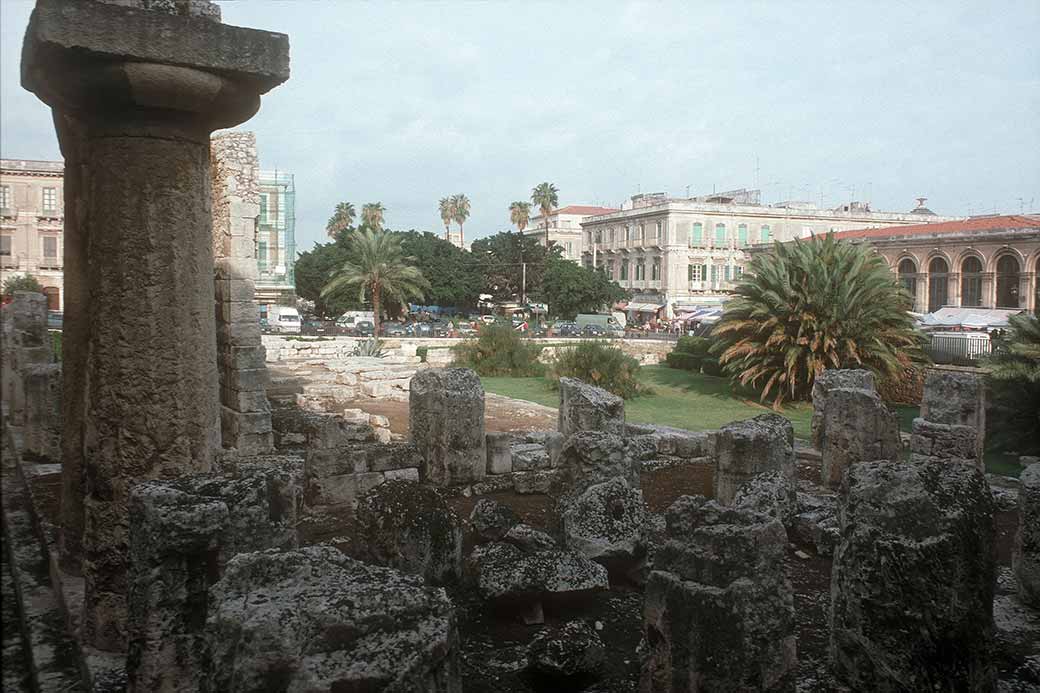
x=967 y=318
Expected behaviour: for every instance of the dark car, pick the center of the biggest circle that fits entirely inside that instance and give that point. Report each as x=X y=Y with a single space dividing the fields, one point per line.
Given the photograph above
x=440 y=329
x=422 y=329
x=394 y=329
x=364 y=329
x=565 y=329
x=537 y=331
x=314 y=326
x=593 y=331
x=467 y=329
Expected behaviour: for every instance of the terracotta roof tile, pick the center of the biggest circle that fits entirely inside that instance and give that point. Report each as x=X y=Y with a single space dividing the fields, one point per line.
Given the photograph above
x=584 y=210
x=994 y=223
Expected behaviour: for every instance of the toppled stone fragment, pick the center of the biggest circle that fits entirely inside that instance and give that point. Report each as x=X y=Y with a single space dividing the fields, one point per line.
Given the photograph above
x=529 y=540
x=317 y=620
x=491 y=519
x=592 y=457
x=606 y=523
x=1026 y=556
x=772 y=493
x=446 y=409
x=832 y=379
x=744 y=449
x=913 y=578
x=408 y=526
x=584 y=407
x=858 y=427
x=719 y=611
x=938 y=442
x=572 y=650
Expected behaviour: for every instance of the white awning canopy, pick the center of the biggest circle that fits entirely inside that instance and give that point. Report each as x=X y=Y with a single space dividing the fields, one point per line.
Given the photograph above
x=644 y=307
x=970 y=318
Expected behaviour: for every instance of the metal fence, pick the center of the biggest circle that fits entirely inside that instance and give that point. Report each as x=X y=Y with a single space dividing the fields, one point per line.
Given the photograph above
x=959 y=349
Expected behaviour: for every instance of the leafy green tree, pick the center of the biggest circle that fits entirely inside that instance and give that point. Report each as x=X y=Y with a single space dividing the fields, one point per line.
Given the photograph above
x=372 y=215
x=809 y=305
x=546 y=196
x=460 y=213
x=572 y=289
x=501 y=258
x=455 y=279
x=447 y=209
x=342 y=219
x=314 y=268
x=520 y=214
x=1013 y=372
x=378 y=268
x=21 y=282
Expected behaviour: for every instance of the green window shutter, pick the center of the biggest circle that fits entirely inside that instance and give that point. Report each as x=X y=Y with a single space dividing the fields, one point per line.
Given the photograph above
x=698 y=234
x=720 y=233
x=765 y=234
x=742 y=234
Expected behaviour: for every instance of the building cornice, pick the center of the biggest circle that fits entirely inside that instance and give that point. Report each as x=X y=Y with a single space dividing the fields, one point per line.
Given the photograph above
x=758 y=212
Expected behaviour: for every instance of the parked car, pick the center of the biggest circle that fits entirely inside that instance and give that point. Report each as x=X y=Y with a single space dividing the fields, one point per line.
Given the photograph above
x=565 y=329
x=467 y=329
x=394 y=329
x=440 y=329
x=593 y=331
x=364 y=329
x=313 y=326
x=422 y=329
x=55 y=319
x=538 y=330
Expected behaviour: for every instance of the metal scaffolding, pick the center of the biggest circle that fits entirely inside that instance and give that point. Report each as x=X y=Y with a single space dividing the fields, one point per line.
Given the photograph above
x=276 y=230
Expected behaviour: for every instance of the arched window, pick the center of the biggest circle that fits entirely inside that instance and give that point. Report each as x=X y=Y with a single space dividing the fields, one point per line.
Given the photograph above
x=765 y=234
x=697 y=235
x=1007 y=282
x=599 y=236
x=53 y=295
x=971 y=282
x=720 y=234
x=908 y=277
x=938 y=284
x=624 y=270
x=742 y=234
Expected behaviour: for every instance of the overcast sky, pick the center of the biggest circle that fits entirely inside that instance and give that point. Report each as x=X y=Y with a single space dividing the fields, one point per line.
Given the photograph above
x=407 y=102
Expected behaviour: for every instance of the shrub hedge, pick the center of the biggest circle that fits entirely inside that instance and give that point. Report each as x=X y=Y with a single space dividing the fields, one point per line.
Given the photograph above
x=598 y=364
x=499 y=350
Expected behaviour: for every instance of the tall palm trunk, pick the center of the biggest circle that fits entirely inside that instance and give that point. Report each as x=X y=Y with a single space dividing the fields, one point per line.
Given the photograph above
x=376 y=296
x=447 y=232
x=546 y=233
x=462 y=238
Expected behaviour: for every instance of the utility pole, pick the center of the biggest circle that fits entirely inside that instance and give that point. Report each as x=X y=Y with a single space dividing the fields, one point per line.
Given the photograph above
x=523 y=283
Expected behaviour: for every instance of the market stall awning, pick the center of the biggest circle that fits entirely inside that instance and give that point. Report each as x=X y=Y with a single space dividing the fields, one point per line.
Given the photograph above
x=970 y=318
x=644 y=307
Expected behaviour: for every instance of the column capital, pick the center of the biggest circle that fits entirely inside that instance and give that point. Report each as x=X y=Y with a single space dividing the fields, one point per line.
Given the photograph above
x=125 y=70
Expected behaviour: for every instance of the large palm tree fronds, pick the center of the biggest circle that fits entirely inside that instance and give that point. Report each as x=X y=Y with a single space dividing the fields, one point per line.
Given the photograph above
x=372 y=215
x=460 y=209
x=341 y=220
x=520 y=214
x=1013 y=373
x=546 y=196
x=447 y=209
x=378 y=268
x=814 y=304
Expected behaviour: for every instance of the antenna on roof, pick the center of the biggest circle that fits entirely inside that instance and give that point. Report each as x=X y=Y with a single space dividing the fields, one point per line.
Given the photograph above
x=921 y=201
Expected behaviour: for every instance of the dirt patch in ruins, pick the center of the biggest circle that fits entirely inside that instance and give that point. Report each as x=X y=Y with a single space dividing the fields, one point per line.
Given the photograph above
x=501 y=414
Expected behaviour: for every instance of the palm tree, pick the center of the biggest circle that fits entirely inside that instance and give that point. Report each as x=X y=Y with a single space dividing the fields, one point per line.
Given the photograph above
x=341 y=220
x=520 y=214
x=1013 y=374
x=460 y=205
x=372 y=215
x=545 y=195
x=378 y=267
x=447 y=210
x=813 y=304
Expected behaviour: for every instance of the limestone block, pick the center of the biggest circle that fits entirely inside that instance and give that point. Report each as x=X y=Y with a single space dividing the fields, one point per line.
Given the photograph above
x=244 y=357
x=248 y=379
x=719 y=610
x=1026 y=556
x=317 y=620
x=744 y=449
x=235 y=290
x=401 y=474
x=956 y=398
x=491 y=519
x=393 y=456
x=584 y=407
x=330 y=431
x=772 y=493
x=913 y=578
x=592 y=457
x=409 y=526
x=529 y=457
x=499 y=456
x=254 y=443
x=255 y=401
x=446 y=408
x=831 y=379
x=493 y=483
x=529 y=540
x=238 y=311
x=574 y=650
x=606 y=523
x=238 y=334
x=340 y=491
x=857 y=427
x=236 y=268
x=527 y=483
x=43 y=414
x=235 y=424
x=936 y=442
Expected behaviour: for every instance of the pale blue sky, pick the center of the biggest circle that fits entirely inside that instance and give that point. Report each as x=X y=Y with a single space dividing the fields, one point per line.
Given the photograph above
x=407 y=102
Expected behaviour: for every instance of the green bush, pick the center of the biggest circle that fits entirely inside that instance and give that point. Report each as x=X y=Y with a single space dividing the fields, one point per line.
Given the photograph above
x=499 y=350
x=686 y=362
x=711 y=366
x=422 y=352
x=698 y=346
x=598 y=364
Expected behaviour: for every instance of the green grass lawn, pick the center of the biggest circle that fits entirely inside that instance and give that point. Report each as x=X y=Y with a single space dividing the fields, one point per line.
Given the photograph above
x=680 y=399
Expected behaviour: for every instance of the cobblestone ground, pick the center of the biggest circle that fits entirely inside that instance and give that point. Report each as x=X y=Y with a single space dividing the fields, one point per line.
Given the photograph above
x=15 y=669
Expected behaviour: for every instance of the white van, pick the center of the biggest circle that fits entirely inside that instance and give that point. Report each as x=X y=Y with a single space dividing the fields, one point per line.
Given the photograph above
x=283 y=319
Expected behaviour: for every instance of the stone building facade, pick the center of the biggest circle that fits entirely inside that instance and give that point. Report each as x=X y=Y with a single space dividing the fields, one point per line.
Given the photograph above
x=981 y=262
x=565 y=228
x=677 y=254
x=275 y=239
x=32 y=219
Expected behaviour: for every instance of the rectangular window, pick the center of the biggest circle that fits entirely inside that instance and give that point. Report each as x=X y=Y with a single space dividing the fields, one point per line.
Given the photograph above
x=610 y=235
x=697 y=235
x=599 y=236
x=694 y=272
x=720 y=234
x=5 y=196
x=725 y=272
x=624 y=270
x=610 y=268
x=640 y=271
x=657 y=230
x=5 y=246
x=714 y=273
x=742 y=234
x=628 y=233
x=50 y=199
x=570 y=248
x=655 y=270
x=765 y=234
x=50 y=247
x=739 y=270
x=261 y=253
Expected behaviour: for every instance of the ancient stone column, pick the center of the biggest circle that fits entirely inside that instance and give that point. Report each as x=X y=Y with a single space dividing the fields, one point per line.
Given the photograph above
x=1026 y=557
x=25 y=344
x=446 y=410
x=42 y=429
x=148 y=88
x=584 y=407
x=955 y=398
x=827 y=381
x=856 y=427
x=719 y=610
x=913 y=578
x=745 y=449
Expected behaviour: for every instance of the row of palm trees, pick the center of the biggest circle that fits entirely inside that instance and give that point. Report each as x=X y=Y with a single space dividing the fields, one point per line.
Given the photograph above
x=344 y=215
x=454 y=208
x=546 y=196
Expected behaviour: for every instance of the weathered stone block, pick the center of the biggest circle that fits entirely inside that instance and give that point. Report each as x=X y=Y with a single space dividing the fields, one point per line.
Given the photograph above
x=719 y=610
x=592 y=457
x=499 y=456
x=529 y=457
x=527 y=483
x=936 y=442
x=245 y=357
x=408 y=526
x=831 y=379
x=772 y=493
x=913 y=578
x=584 y=407
x=248 y=379
x=235 y=289
x=446 y=408
x=317 y=620
x=255 y=401
x=958 y=399
x=606 y=523
x=744 y=449
x=238 y=334
x=235 y=424
x=857 y=427
x=491 y=519
x=43 y=420
x=1026 y=556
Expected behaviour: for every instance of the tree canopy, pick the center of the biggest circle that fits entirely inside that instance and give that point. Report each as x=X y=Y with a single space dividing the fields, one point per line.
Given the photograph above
x=21 y=282
x=341 y=220
x=455 y=279
x=570 y=289
x=501 y=258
